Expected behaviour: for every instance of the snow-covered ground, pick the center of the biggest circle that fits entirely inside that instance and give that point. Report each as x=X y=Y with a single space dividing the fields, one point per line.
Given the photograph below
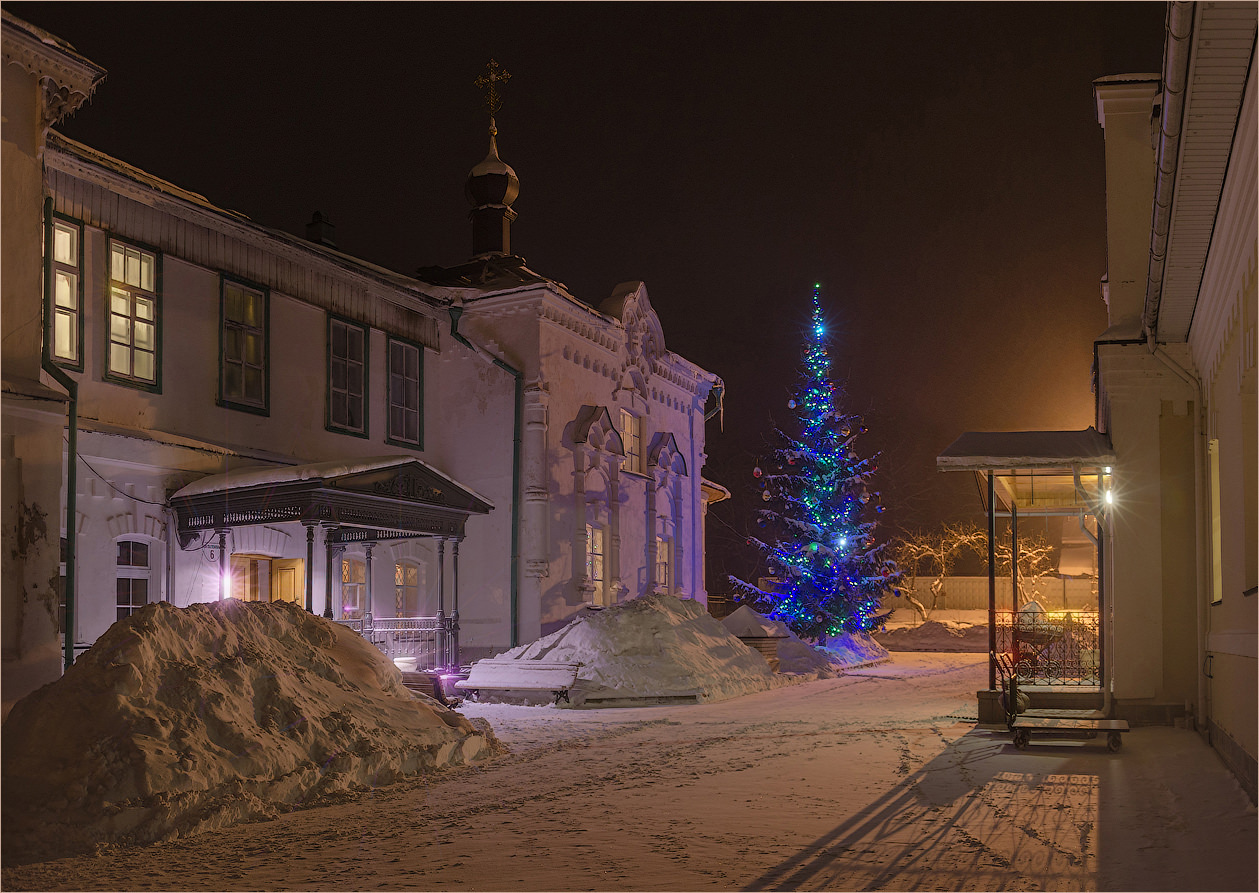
x=860 y=781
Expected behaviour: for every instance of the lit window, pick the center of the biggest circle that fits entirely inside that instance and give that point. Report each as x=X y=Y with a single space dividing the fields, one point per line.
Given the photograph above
x=66 y=317
x=244 y=340
x=404 y=392
x=132 y=576
x=1217 y=550
x=632 y=441
x=133 y=315
x=353 y=588
x=594 y=560
x=663 y=562
x=347 y=376
x=406 y=587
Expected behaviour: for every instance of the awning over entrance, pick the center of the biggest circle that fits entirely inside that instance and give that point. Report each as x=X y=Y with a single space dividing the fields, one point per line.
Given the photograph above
x=1037 y=472
x=1045 y=473
x=387 y=497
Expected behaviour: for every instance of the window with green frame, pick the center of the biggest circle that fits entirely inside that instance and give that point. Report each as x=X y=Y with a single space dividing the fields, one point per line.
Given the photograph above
x=243 y=373
x=67 y=294
x=347 y=376
x=406 y=393
x=134 y=316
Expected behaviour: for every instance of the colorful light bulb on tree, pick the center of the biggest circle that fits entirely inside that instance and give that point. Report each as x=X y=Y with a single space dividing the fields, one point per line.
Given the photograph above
x=828 y=574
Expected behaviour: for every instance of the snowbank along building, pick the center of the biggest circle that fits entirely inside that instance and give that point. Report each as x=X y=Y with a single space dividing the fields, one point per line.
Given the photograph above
x=197 y=407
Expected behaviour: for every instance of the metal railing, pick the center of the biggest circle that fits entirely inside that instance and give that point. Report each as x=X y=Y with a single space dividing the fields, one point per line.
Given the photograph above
x=1052 y=648
x=432 y=641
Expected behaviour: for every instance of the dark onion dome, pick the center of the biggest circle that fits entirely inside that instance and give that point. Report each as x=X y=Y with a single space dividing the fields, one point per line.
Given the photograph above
x=492 y=183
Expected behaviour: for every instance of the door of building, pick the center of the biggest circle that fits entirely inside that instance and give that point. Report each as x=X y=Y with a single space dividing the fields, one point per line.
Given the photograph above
x=288 y=580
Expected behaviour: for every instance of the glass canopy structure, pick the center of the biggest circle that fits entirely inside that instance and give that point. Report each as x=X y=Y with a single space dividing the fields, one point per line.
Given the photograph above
x=1039 y=473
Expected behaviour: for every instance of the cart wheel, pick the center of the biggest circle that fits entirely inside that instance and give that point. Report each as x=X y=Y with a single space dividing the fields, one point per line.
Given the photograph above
x=1021 y=737
x=1114 y=741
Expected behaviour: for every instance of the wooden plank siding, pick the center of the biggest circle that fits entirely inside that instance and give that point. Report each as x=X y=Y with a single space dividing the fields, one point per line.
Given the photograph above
x=241 y=250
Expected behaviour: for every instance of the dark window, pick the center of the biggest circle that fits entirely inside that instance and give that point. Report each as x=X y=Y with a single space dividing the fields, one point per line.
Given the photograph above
x=347 y=376
x=405 y=392
x=244 y=338
x=132 y=577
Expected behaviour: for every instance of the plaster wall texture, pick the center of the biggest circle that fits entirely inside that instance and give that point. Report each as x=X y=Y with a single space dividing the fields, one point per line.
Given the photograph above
x=21 y=204
x=33 y=416
x=1151 y=530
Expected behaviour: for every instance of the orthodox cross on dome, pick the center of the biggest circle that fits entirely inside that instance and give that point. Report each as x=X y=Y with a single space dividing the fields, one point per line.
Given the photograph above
x=494 y=75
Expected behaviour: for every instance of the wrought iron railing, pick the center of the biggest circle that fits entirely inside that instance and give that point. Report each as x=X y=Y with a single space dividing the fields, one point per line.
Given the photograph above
x=432 y=641
x=1052 y=648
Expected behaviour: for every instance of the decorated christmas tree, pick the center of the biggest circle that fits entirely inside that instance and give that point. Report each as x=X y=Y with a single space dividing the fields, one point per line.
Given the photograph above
x=826 y=574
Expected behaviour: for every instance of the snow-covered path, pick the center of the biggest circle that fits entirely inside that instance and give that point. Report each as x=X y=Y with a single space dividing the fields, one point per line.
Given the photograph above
x=859 y=782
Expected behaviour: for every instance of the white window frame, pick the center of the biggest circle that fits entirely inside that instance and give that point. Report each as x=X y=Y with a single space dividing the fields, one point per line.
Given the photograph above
x=133 y=336
x=356 y=590
x=662 y=575
x=632 y=441
x=402 y=600
x=132 y=573
x=596 y=561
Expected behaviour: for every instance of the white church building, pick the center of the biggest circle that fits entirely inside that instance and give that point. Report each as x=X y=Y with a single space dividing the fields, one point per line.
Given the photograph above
x=198 y=407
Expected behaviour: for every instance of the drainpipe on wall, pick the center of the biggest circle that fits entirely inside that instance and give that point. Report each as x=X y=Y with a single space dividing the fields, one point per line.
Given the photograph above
x=1175 y=73
x=517 y=426
x=72 y=463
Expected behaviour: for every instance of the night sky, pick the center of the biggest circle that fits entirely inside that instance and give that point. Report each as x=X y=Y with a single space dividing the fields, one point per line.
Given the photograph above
x=937 y=167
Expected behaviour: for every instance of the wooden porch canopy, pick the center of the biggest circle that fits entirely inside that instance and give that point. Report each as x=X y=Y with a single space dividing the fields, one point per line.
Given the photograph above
x=389 y=497
x=353 y=501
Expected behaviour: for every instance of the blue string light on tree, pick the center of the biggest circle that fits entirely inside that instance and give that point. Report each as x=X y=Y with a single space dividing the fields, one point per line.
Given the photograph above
x=828 y=574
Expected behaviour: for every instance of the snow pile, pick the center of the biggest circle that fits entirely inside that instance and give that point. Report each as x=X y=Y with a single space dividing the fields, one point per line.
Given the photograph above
x=182 y=720
x=936 y=635
x=799 y=657
x=652 y=647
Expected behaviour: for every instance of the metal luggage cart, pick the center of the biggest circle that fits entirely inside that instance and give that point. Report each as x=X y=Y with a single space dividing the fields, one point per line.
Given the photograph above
x=1062 y=724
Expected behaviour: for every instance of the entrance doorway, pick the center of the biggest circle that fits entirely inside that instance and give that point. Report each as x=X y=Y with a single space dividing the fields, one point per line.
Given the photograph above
x=257 y=578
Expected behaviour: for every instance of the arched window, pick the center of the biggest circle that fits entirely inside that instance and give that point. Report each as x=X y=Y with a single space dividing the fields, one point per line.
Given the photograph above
x=406 y=587
x=353 y=588
x=132 y=574
x=598 y=452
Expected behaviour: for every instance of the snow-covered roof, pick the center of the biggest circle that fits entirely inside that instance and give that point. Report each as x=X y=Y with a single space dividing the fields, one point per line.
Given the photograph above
x=258 y=477
x=95 y=157
x=991 y=450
